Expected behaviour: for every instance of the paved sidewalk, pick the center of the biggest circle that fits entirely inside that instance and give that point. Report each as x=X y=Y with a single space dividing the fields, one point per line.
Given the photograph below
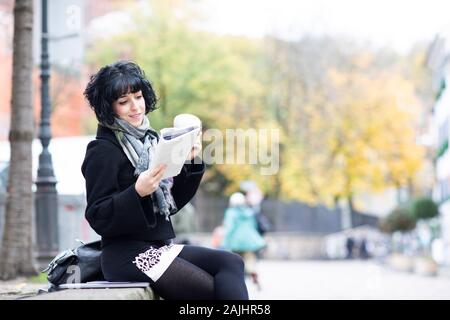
x=344 y=280
x=19 y=288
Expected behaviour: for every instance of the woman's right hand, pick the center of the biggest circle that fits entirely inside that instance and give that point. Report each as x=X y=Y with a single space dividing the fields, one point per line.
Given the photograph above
x=148 y=181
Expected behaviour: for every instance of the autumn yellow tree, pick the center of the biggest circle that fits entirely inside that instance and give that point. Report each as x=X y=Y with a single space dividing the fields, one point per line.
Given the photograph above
x=364 y=141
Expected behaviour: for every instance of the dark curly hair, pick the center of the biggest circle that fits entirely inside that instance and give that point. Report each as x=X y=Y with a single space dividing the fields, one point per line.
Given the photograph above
x=111 y=82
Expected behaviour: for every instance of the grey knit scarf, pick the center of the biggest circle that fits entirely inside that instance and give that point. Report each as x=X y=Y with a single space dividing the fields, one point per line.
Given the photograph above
x=139 y=144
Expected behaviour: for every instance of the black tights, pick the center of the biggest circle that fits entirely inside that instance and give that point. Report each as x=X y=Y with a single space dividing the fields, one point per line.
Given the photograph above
x=202 y=273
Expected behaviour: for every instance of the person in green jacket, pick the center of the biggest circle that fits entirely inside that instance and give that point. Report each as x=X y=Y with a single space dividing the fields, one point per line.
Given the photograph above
x=240 y=233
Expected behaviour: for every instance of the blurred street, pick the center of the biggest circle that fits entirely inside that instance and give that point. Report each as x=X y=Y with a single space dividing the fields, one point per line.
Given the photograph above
x=314 y=280
x=365 y=280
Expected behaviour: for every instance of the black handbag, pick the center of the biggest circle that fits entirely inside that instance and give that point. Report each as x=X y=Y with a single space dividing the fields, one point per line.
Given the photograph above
x=263 y=223
x=76 y=265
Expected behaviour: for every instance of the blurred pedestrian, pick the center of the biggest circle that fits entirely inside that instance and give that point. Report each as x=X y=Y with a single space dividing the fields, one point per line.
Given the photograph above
x=240 y=233
x=350 y=244
x=254 y=197
x=217 y=237
x=184 y=224
x=363 y=253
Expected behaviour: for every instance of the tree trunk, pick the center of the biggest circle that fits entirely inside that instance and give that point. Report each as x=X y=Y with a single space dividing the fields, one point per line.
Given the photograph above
x=411 y=188
x=398 y=193
x=350 y=210
x=278 y=181
x=17 y=246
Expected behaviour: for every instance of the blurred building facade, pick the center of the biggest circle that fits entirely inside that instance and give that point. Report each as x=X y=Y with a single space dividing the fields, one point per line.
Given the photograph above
x=438 y=62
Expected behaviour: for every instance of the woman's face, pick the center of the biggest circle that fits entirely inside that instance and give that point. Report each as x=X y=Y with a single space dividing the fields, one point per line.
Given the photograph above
x=131 y=108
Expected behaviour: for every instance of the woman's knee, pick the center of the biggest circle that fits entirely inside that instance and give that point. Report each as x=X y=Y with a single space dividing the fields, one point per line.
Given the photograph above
x=233 y=260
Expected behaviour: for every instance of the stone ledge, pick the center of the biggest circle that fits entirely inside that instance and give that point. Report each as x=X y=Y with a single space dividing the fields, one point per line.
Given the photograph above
x=98 y=294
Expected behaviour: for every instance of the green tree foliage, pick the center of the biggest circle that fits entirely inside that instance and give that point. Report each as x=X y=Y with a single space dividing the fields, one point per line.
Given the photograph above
x=192 y=71
x=400 y=219
x=424 y=208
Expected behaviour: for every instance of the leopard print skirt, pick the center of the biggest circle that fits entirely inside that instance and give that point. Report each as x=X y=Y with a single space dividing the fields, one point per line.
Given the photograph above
x=155 y=261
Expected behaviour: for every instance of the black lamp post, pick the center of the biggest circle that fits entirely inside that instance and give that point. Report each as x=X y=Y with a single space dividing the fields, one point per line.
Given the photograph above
x=46 y=196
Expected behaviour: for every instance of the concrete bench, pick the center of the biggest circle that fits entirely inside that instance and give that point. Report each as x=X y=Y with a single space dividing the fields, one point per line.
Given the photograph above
x=102 y=290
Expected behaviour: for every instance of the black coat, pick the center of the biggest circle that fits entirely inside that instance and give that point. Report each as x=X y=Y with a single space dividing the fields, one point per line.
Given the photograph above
x=114 y=208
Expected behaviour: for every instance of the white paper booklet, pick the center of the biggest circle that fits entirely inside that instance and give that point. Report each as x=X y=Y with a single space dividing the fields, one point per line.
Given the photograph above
x=103 y=284
x=174 y=147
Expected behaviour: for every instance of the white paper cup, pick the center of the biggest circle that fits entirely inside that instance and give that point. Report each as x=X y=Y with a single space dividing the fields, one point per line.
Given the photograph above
x=189 y=120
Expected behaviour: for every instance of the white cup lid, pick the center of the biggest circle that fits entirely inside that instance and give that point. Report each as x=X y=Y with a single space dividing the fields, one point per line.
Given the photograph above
x=186 y=120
